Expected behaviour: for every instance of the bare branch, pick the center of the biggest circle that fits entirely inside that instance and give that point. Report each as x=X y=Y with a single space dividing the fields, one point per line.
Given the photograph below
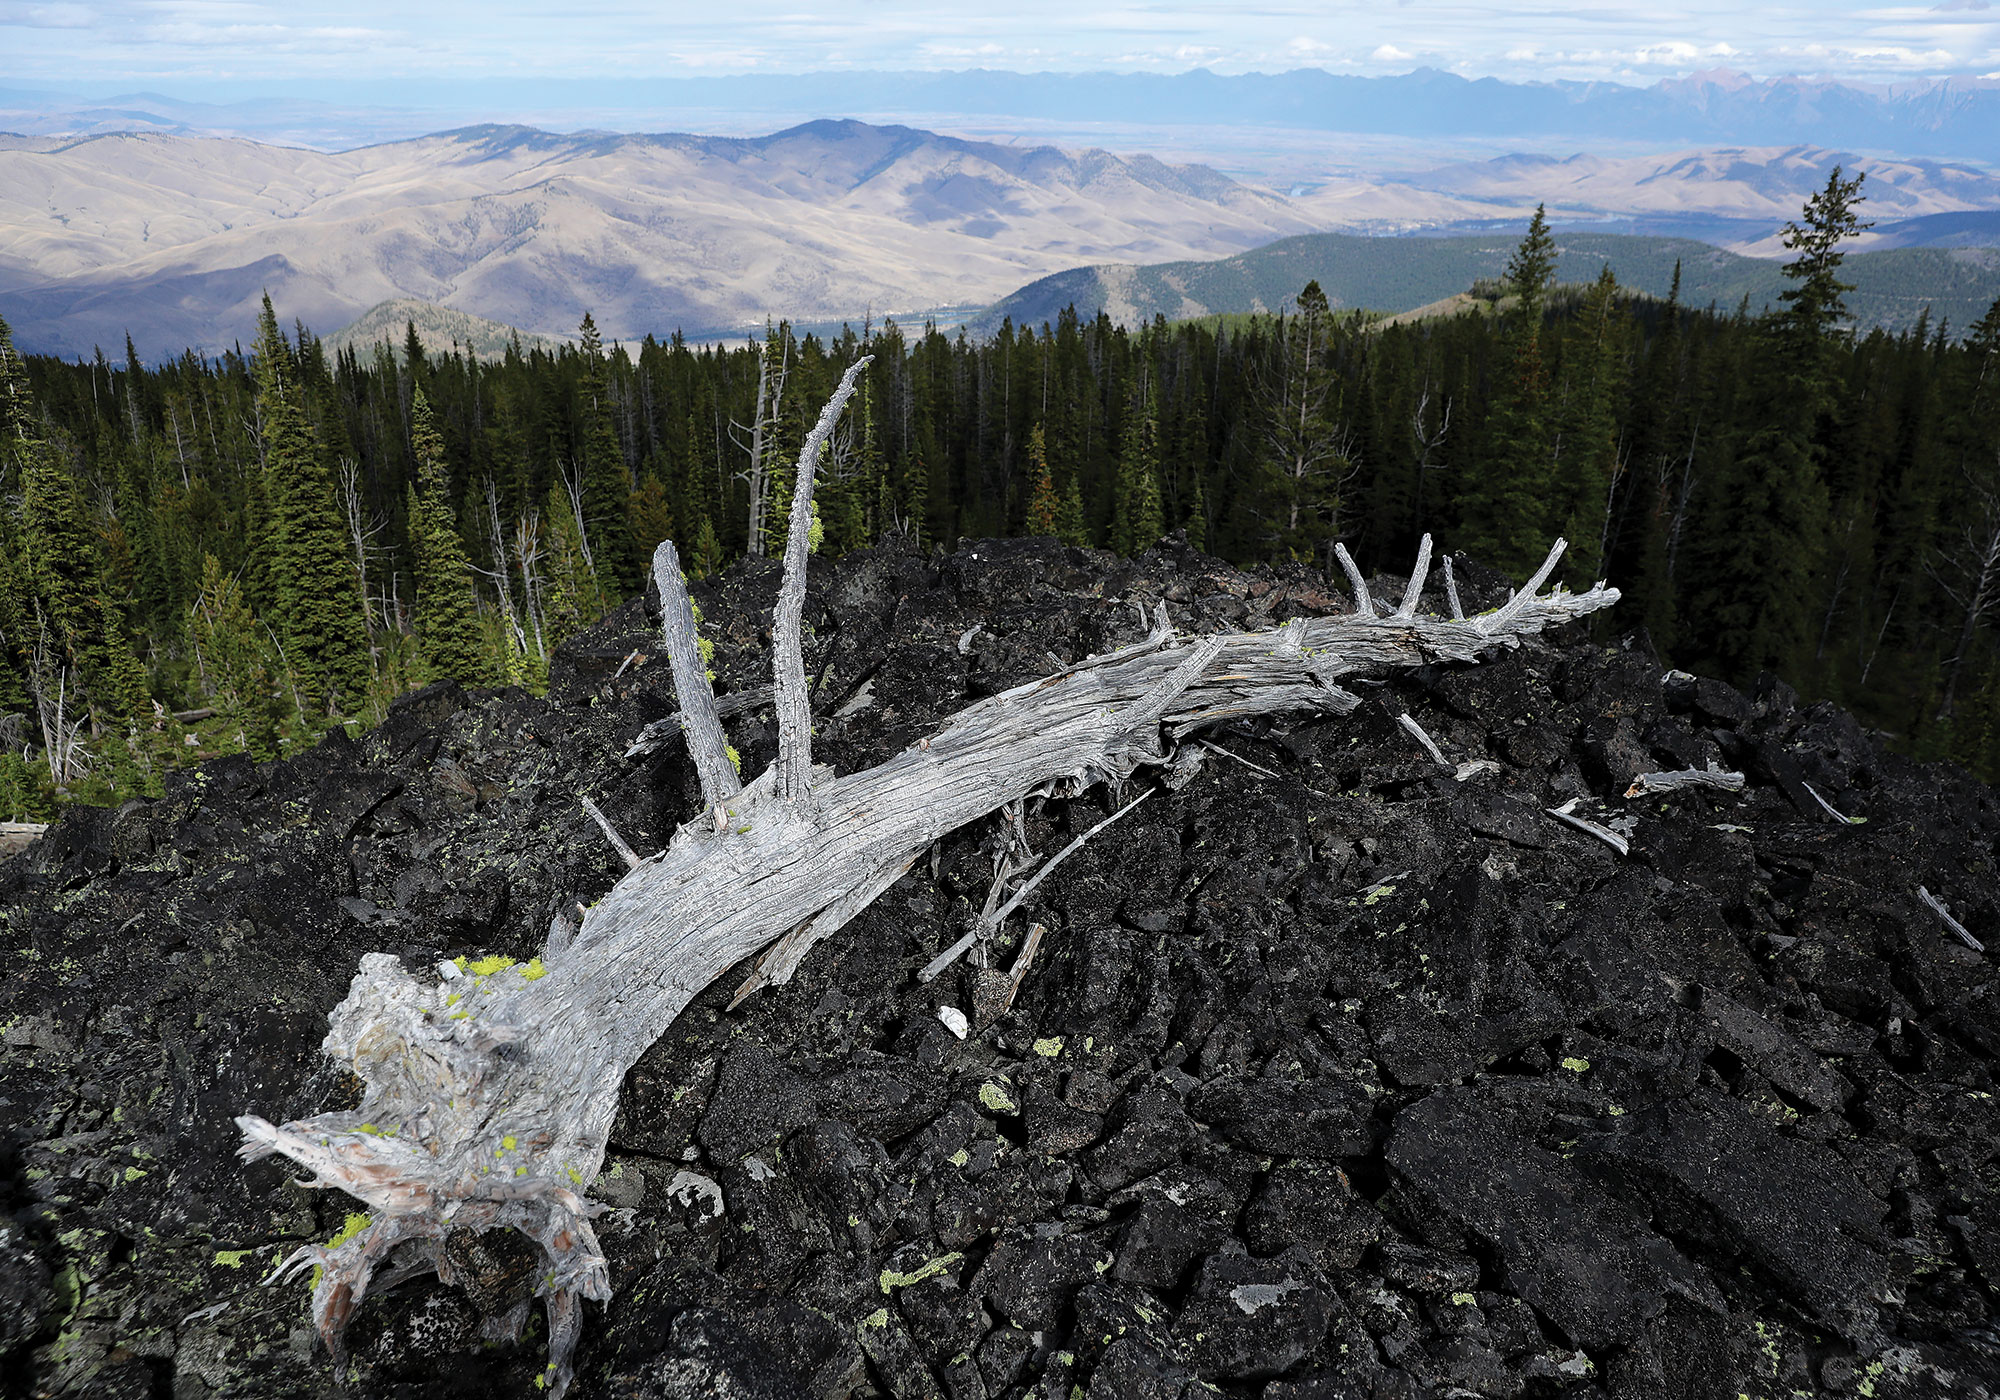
x=1364 y=606
x=794 y=766
x=736 y=702
x=1938 y=906
x=1418 y=574
x=1451 y=592
x=706 y=743
x=1566 y=813
x=1416 y=731
x=1527 y=594
x=625 y=852
x=982 y=927
x=1022 y=963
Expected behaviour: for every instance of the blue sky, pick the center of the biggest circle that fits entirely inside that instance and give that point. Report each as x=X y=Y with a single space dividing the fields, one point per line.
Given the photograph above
x=185 y=46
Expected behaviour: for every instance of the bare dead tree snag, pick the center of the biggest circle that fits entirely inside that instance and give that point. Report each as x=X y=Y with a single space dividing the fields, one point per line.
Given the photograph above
x=488 y=1094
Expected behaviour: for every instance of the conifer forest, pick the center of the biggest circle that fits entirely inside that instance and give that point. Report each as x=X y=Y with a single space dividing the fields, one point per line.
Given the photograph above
x=238 y=554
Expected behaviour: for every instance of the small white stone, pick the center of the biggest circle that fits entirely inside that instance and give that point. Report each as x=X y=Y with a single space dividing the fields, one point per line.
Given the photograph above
x=954 y=1020
x=447 y=970
x=759 y=1169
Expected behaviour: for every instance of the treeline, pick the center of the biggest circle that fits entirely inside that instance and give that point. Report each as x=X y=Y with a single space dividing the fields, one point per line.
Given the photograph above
x=236 y=554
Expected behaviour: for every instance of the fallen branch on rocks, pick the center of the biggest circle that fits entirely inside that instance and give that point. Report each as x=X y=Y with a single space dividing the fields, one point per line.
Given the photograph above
x=1646 y=784
x=1567 y=813
x=489 y=1095
x=1939 y=908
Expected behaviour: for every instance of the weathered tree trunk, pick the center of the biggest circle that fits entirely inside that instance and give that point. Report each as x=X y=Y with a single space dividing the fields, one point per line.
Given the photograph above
x=490 y=1088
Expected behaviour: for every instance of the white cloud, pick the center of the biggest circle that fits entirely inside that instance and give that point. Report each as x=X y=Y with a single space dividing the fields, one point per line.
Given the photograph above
x=59 y=16
x=1389 y=53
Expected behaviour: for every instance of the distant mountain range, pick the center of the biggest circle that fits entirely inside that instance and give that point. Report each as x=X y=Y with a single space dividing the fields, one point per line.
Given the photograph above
x=1892 y=287
x=175 y=238
x=1949 y=117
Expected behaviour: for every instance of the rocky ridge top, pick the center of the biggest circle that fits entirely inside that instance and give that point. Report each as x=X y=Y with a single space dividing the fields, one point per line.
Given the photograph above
x=1334 y=1077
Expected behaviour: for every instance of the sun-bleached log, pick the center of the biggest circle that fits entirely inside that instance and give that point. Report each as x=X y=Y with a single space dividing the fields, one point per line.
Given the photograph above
x=488 y=1095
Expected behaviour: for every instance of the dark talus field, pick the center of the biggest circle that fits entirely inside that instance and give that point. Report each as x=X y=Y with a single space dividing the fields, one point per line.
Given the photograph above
x=1338 y=1080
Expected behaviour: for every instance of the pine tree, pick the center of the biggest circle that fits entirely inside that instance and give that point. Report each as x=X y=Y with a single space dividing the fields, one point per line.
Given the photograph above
x=1044 y=506
x=1197 y=518
x=652 y=517
x=235 y=665
x=1764 y=528
x=1307 y=451
x=1137 y=522
x=1587 y=461
x=607 y=482
x=318 y=597
x=1071 y=528
x=706 y=560
x=1506 y=504
x=574 y=600
x=64 y=578
x=450 y=643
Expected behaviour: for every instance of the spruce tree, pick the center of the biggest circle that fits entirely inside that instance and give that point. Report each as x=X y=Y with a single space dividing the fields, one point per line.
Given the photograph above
x=1137 y=521
x=1043 y=504
x=652 y=515
x=607 y=482
x=234 y=662
x=317 y=594
x=60 y=572
x=450 y=643
x=1587 y=430
x=574 y=599
x=1765 y=521
x=1071 y=527
x=1506 y=501
x=1197 y=518
x=1307 y=455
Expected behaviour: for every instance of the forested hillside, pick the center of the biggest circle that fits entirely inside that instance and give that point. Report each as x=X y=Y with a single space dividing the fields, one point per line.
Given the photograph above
x=1892 y=287
x=238 y=553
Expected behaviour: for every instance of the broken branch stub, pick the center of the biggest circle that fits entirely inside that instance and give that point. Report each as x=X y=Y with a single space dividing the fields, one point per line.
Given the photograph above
x=488 y=1097
x=707 y=745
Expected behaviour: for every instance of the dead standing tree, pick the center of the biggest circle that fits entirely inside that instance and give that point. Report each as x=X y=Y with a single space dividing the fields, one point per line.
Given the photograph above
x=490 y=1090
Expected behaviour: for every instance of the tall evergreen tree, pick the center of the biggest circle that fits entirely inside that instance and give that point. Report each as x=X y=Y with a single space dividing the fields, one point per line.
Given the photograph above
x=1764 y=525
x=1308 y=452
x=574 y=598
x=318 y=597
x=1506 y=502
x=607 y=481
x=1137 y=520
x=1586 y=440
x=235 y=666
x=450 y=643
x=59 y=608
x=1044 y=505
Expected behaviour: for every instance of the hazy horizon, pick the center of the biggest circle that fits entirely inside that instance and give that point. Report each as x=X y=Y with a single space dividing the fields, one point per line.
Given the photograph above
x=231 y=49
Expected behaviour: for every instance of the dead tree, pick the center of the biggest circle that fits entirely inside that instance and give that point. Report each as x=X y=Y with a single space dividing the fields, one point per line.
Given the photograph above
x=489 y=1089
